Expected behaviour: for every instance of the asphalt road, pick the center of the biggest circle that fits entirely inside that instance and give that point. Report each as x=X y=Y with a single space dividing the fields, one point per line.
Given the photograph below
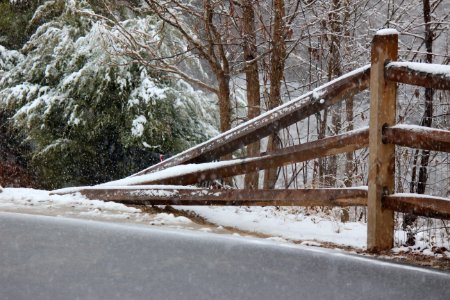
x=58 y=258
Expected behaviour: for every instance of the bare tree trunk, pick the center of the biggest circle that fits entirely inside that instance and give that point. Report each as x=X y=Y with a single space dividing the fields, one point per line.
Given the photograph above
x=224 y=101
x=225 y=112
x=322 y=127
x=427 y=118
x=334 y=70
x=428 y=114
x=220 y=66
x=336 y=127
x=278 y=58
x=349 y=164
x=349 y=156
x=252 y=78
x=413 y=183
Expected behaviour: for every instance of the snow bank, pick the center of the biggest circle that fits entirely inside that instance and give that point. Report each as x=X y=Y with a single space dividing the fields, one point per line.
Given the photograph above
x=33 y=201
x=285 y=223
x=163 y=219
x=25 y=196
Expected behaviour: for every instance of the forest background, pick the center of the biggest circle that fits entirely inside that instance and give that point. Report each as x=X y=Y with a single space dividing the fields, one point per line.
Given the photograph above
x=92 y=91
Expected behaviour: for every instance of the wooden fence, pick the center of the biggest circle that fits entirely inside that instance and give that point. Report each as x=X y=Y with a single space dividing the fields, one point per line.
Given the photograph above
x=380 y=137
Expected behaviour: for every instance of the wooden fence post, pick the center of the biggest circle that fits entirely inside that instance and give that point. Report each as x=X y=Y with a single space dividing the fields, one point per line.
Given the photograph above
x=380 y=227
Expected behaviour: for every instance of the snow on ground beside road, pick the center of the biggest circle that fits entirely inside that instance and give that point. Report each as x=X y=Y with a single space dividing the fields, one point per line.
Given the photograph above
x=75 y=205
x=27 y=197
x=281 y=224
x=278 y=223
x=286 y=223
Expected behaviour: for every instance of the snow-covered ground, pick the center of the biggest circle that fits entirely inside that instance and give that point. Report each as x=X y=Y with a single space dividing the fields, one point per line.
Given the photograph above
x=283 y=224
x=40 y=202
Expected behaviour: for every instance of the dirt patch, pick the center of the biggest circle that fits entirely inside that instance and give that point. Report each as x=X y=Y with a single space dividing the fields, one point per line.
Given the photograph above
x=418 y=259
x=440 y=262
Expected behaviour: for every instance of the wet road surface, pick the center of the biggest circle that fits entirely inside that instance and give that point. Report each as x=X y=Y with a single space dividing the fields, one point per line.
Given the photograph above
x=59 y=258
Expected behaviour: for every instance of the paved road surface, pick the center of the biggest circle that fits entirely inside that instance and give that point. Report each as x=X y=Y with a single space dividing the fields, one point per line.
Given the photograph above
x=58 y=258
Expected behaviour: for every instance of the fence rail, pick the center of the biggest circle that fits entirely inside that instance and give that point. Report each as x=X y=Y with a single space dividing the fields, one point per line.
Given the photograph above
x=421 y=205
x=417 y=137
x=271 y=121
x=381 y=137
x=154 y=195
x=347 y=142
x=420 y=74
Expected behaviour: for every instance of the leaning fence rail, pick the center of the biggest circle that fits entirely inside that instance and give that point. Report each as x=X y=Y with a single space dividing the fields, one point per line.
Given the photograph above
x=196 y=173
x=170 y=195
x=194 y=165
x=271 y=121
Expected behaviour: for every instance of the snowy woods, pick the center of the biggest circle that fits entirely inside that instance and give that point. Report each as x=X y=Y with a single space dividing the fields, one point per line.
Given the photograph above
x=167 y=70
x=93 y=91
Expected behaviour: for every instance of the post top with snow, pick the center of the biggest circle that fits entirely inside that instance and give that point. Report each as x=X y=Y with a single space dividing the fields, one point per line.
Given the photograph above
x=387 y=31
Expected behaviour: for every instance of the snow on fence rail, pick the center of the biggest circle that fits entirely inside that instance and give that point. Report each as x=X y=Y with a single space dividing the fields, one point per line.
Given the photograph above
x=404 y=135
x=417 y=137
x=196 y=173
x=381 y=137
x=421 y=74
x=271 y=121
x=170 y=195
x=422 y=205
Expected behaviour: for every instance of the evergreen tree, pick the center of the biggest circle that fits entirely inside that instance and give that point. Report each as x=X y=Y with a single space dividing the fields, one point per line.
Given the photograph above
x=14 y=21
x=91 y=116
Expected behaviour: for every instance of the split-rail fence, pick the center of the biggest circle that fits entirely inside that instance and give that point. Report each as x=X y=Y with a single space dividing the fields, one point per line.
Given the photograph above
x=166 y=183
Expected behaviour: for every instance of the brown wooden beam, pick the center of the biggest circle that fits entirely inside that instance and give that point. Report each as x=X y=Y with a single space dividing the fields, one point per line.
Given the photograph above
x=171 y=196
x=271 y=121
x=346 y=142
x=413 y=73
x=417 y=137
x=421 y=205
x=380 y=222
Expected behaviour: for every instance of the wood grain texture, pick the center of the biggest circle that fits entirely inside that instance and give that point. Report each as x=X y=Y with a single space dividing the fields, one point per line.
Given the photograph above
x=403 y=74
x=380 y=226
x=171 y=196
x=427 y=206
x=420 y=138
